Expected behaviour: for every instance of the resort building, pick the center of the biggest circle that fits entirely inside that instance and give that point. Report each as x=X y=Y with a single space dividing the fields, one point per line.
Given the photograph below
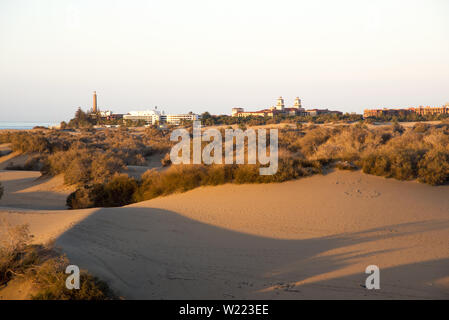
x=155 y=116
x=396 y=112
x=110 y=115
x=178 y=118
x=149 y=116
x=317 y=112
x=430 y=110
x=296 y=109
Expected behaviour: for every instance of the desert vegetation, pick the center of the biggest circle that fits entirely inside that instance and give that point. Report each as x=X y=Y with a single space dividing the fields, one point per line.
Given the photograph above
x=44 y=267
x=418 y=153
x=94 y=160
x=87 y=156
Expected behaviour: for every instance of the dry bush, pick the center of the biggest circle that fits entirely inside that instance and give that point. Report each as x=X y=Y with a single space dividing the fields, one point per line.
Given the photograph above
x=28 y=142
x=346 y=165
x=15 y=254
x=421 y=127
x=50 y=278
x=309 y=143
x=80 y=199
x=181 y=178
x=44 y=266
x=82 y=166
x=86 y=156
x=390 y=151
x=33 y=163
x=434 y=167
x=119 y=191
x=178 y=178
x=165 y=161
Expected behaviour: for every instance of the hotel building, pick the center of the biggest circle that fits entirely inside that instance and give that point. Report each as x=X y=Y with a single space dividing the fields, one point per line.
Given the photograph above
x=367 y=113
x=155 y=116
x=296 y=109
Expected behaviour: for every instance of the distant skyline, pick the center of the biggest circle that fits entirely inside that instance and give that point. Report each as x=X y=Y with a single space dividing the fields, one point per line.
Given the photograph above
x=204 y=55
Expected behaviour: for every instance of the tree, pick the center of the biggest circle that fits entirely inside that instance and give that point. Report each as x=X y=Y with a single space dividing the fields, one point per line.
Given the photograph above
x=81 y=120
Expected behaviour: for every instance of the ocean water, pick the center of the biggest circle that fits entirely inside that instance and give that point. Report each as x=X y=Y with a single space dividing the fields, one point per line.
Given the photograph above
x=23 y=125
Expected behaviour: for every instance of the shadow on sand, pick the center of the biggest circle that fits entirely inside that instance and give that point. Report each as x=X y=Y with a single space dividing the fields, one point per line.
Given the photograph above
x=16 y=197
x=148 y=253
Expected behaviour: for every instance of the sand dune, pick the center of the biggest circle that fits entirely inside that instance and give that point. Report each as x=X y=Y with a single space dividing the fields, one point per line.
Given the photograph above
x=38 y=201
x=29 y=190
x=311 y=238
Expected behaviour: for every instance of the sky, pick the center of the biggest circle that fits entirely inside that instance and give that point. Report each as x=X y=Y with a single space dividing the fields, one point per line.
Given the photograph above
x=207 y=55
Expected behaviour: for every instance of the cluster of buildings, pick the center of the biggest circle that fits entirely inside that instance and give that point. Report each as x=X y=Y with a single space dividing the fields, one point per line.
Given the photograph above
x=160 y=117
x=149 y=116
x=423 y=111
x=157 y=117
x=280 y=109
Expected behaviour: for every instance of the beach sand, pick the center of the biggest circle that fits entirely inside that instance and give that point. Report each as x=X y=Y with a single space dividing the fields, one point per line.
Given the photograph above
x=305 y=239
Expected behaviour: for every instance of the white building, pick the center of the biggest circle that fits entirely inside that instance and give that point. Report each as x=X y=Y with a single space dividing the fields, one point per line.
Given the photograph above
x=155 y=116
x=150 y=116
x=106 y=113
x=177 y=118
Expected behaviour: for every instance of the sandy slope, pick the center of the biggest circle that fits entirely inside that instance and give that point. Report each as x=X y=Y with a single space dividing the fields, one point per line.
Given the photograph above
x=27 y=189
x=311 y=238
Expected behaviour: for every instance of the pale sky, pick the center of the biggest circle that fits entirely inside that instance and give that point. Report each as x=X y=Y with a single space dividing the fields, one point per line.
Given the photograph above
x=206 y=55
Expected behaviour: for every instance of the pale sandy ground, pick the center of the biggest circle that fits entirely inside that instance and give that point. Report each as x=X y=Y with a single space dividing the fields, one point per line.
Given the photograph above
x=311 y=238
x=31 y=199
x=27 y=189
x=153 y=162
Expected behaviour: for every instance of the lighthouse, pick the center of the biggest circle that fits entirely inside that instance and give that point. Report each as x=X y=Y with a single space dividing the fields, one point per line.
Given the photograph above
x=94 y=107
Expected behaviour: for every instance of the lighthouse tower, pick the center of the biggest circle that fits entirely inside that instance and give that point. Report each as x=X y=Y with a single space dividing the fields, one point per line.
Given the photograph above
x=94 y=106
x=280 y=104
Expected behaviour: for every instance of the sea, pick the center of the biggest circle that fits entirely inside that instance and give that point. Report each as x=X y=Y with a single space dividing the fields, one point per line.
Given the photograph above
x=23 y=125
